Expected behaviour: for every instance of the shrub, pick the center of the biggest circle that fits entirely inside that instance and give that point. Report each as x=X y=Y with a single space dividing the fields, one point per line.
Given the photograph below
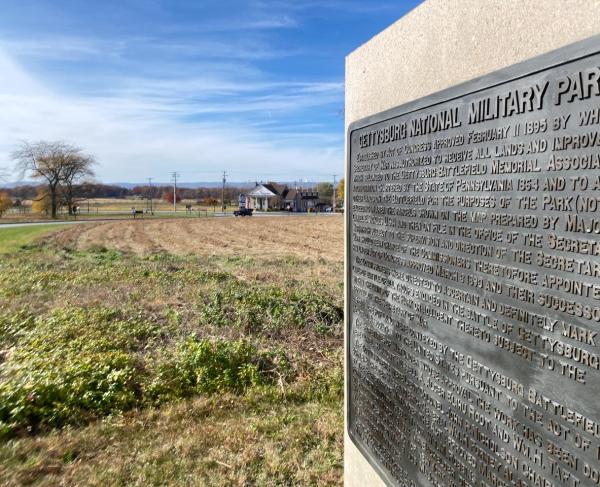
x=271 y=308
x=76 y=364
x=68 y=387
x=205 y=366
x=5 y=202
x=69 y=365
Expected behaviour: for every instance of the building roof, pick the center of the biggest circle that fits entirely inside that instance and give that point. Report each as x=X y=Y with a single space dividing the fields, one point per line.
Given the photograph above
x=288 y=194
x=274 y=188
x=291 y=194
x=263 y=190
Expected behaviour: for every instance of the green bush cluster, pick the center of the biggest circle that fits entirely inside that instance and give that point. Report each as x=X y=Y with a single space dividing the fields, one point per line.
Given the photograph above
x=75 y=364
x=204 y=366
x=271 y=308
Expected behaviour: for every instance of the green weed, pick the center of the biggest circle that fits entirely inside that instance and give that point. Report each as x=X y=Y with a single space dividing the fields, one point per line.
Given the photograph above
x=271 y=308
x=205 y=366
x=76 y=364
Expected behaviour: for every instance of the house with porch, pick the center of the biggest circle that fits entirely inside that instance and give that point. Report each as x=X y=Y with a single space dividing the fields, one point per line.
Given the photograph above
x=278 y=197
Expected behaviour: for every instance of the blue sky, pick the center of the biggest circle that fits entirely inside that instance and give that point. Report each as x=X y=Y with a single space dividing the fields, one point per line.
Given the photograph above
x=255 y=88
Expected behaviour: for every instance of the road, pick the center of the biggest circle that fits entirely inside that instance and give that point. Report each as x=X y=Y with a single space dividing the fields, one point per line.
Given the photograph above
x=214 y=215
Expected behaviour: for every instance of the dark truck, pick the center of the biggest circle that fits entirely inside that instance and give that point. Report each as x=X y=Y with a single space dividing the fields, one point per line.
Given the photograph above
x=243 y=212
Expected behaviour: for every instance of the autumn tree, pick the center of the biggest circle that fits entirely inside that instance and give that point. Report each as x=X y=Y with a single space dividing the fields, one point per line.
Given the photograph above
x=209 y=201
x=42 y=203
x=5 y=202
x=54 y=163
x=325 y=191
x=168 y=197
x=341 y=191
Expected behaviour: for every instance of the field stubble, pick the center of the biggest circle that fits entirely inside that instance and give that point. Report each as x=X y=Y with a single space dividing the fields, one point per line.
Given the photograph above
x=306 y=237
x=317 y=242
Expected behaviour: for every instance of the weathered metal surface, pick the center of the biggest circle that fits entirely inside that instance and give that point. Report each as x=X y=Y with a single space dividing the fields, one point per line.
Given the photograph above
x=474 y=280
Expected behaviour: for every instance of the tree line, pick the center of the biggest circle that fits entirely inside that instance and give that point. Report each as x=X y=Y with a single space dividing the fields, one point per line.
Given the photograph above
x=88 y=190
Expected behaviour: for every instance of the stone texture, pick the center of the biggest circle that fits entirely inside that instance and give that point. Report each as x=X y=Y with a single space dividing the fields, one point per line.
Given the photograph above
x=442 y=43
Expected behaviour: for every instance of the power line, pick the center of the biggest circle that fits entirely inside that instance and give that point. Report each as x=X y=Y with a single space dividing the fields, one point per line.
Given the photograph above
x=223 y=192
x=333 y=195
x=150 y=191
x=175 y=175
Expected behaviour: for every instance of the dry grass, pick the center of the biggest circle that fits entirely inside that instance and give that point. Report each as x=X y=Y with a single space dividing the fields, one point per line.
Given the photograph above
x=311 y=237
x=308 y=248
x=125 y=204
x=219 y=441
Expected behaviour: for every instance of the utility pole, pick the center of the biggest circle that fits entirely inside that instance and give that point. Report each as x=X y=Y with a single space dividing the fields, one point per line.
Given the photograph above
x=333 y=195
x=175 y=175
x=223 y=192
x=150 y=184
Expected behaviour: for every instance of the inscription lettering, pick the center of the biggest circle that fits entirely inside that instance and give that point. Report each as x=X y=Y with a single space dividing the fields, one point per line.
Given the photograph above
x=474 y=285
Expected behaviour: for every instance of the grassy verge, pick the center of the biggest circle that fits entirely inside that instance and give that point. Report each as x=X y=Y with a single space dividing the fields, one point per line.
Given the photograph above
x=92 y=217
x=117 y=369
x=13 y=238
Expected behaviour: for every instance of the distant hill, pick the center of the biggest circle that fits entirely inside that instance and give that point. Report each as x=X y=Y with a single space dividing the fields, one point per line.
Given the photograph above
x=199 y=184
x=19 y=183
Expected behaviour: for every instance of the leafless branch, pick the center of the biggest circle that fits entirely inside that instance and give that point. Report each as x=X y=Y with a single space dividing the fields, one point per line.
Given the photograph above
x=57 y=163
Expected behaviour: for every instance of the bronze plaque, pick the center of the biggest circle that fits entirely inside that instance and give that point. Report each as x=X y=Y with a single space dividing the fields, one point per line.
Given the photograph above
x=473 y=290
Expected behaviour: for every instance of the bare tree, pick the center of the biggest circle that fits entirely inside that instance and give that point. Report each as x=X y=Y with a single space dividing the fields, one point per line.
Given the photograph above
x=53 y=162
x=76 y=169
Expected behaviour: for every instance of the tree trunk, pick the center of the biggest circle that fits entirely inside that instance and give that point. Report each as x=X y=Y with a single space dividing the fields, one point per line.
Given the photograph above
x=69 y=198
x=53 y=201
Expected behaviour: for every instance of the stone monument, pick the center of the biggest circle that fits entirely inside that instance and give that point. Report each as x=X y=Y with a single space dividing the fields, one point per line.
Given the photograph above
x=473 y=248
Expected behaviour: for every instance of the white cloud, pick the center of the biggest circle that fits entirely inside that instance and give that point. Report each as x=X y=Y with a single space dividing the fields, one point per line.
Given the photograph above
x=60 y=47
x=266 y=21
x=146 y=131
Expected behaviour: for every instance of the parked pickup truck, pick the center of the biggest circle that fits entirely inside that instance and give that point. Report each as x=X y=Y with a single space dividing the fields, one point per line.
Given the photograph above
x=243 y=212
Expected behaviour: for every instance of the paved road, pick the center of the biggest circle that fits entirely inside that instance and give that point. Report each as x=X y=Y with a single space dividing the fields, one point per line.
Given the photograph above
x=283 y=214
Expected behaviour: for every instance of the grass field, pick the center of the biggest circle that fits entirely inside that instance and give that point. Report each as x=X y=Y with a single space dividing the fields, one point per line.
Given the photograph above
x=121 y=204
x=206 y=352
x=118 y=208
x=126 y=216
x=11 y=239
